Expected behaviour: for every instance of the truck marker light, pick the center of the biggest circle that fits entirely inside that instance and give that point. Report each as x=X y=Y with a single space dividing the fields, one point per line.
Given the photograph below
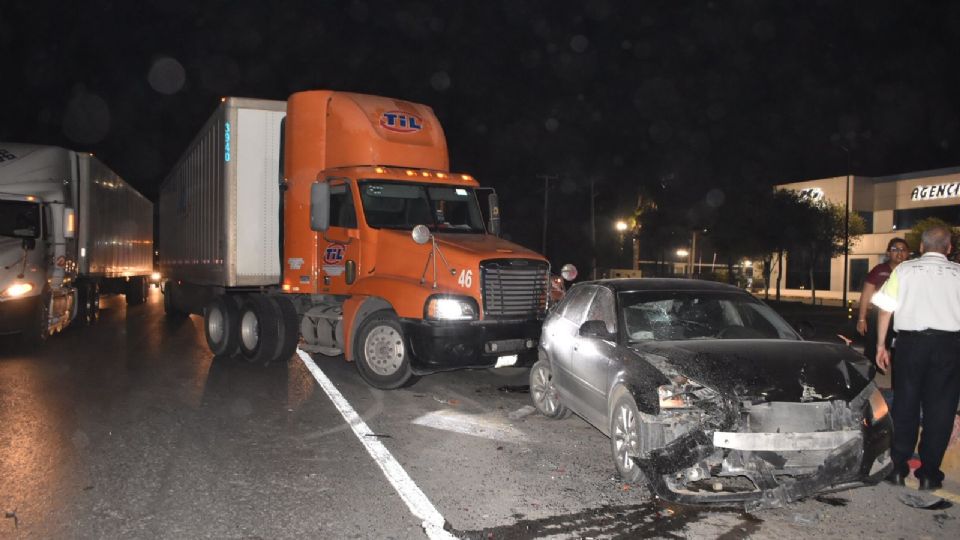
x=286 y=287
x=425 y=173
x=441 y=175
x=31 y=198
x=465 y=176
x=411 y=173
x=380 y=170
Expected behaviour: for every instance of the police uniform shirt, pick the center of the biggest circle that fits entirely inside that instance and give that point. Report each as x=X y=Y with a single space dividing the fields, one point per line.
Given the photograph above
x=924 y=293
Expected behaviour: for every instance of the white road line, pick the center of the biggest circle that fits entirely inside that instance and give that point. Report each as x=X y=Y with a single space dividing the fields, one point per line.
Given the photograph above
x=420 y=506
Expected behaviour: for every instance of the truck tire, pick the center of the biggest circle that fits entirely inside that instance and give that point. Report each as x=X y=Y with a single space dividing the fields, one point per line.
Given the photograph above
x=259 y=325
x=289 y=328
x=170 y=305
x=221 y=325
x=136 y=291
x=89 y=300
x=39 y=329
x=383 y=357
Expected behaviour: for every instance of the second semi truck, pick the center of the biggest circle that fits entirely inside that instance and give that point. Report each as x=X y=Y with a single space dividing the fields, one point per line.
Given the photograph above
x=333 y=219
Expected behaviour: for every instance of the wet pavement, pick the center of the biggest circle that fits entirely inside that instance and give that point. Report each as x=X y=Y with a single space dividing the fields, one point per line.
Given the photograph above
x=131 y=429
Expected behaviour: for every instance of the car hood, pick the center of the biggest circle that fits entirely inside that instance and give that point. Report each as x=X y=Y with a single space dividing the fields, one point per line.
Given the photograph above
x=765 y=370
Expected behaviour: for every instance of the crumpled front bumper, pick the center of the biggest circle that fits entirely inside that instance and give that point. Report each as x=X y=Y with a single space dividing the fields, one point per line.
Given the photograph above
x=860 y=457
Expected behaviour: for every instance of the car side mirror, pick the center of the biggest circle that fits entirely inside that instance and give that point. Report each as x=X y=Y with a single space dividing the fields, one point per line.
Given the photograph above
x=319 y=206
x=596 y=329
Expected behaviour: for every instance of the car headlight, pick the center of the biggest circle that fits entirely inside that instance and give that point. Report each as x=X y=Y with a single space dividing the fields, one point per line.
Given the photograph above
x=17 y=289
x=682 y=394
x=451 y=308
x=878 y=405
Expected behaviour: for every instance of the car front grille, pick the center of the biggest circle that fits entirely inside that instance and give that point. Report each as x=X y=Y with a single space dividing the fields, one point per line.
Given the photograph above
x=514 y=288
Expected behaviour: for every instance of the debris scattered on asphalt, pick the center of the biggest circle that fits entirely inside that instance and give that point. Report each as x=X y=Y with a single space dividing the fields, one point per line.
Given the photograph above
x=522 y=412
x=453 y=402
x=517 y=389
x=807 y=519
x=13 y=516
x=379 y=435
x=918 y=499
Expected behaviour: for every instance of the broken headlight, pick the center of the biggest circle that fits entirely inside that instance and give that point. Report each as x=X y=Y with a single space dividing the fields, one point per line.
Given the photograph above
x=682 y=394
x=878 y=405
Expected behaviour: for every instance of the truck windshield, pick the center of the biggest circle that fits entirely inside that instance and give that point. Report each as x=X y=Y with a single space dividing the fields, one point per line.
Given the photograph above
x=392 y=205
x=19 y=219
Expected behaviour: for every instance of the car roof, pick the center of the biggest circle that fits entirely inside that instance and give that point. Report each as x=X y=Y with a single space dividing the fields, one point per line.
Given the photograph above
x=662 y=284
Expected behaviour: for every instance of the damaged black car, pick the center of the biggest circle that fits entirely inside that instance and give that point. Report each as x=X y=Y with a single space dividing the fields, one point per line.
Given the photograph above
x=709 y=396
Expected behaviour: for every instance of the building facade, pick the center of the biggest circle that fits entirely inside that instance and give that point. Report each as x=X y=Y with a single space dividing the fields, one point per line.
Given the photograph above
x=889 y=205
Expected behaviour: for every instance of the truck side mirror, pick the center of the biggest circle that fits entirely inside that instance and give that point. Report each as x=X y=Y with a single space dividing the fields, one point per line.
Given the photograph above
x=494 y=205
x=319 y=206
x=29 y=244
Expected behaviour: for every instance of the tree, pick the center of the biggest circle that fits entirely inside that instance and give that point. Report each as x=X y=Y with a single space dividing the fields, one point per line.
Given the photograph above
x=824 y=238
x=913 y=236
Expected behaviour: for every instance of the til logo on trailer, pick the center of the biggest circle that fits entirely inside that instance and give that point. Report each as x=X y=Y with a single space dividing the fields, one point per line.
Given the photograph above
x=401 y=122
x=333 y=254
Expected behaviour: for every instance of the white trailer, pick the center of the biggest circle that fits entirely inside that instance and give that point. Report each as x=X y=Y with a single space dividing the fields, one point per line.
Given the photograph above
x=70 y=228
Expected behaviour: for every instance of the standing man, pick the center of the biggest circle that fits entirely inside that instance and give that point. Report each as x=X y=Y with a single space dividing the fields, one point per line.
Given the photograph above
x=897 y=252
x=925 y=294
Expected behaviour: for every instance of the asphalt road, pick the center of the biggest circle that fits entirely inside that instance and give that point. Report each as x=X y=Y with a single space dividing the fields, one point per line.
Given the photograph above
x=130 y=429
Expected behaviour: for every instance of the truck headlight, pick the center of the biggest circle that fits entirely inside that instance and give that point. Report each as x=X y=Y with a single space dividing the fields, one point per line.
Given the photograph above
x=17 y=290
x=155 y=277
x=451 y=308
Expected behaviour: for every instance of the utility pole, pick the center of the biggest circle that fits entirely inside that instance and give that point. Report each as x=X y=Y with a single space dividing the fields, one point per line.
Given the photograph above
x=593 y=233
x=546 y=205
x=846 y=228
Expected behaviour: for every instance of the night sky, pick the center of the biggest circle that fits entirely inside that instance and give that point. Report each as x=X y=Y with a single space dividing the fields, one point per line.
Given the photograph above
x=676 y=100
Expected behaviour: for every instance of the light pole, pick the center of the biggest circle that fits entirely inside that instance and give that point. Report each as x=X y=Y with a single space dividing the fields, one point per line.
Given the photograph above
x=546 y=204
x=683 y=254
x=621 y=227
x=846 y=228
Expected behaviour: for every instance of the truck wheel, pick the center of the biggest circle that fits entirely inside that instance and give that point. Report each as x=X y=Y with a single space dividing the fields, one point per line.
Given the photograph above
x=383 y=358
x=39 y=329
x=135 y=291
x=221 y=325
x=89 y=310
x=170 y=301
x=289 y=328
x=259 y=328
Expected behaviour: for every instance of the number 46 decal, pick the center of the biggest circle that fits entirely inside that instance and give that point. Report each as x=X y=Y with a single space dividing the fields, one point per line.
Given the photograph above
x=466 y=278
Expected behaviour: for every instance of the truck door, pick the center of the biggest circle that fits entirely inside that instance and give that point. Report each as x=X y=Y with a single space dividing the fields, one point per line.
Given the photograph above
x=339 y=246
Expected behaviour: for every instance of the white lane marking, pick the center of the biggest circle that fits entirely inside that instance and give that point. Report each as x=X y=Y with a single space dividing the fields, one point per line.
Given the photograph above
x=420 y=506
x=477 y=426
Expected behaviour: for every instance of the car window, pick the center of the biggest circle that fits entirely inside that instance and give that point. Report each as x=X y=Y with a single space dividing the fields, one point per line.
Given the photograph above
x=603 y=309
x=683 y=315
x=575 y=303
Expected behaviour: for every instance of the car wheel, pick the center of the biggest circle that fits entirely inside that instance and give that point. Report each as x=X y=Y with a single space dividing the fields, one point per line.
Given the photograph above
x=383 y=358
x=625 y=426
x=544 y=393
x=221 y=326
x=259 y=328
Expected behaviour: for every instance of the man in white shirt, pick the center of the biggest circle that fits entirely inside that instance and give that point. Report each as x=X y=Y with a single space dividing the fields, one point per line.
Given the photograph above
x=925 y=294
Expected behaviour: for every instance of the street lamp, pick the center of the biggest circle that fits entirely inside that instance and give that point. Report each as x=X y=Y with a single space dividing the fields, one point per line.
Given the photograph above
x=846 y=227
x=683 y=254
x=621 y=227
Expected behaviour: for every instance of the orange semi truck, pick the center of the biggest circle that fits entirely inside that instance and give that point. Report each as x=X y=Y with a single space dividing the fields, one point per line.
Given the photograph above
x=366 y=246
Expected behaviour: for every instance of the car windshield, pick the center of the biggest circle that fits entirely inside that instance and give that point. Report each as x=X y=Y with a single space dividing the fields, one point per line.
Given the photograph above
x=19 y=219
x=393 y=205
x=685 y=315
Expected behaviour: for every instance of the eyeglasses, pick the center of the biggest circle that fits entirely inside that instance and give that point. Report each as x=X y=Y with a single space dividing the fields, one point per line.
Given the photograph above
x=898 y=250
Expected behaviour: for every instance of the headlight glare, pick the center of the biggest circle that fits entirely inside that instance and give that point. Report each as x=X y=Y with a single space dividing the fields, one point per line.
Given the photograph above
x=446 y=308
x=18 y=289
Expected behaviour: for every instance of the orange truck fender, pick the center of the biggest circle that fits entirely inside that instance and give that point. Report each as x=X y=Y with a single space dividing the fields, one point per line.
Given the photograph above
x=355 y=310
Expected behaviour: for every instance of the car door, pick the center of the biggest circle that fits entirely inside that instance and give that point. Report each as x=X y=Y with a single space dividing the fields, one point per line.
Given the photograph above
x=592 y=357
x=560 y=333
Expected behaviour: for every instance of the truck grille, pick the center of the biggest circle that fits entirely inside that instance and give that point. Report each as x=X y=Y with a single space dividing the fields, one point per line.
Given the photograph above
x=514 y=288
